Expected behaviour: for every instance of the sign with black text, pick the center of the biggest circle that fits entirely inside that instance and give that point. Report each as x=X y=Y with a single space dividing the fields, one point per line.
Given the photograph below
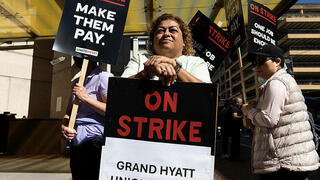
x=209 y=41
x=262 y=26
x=235 y=22
x=92 y=29
x=157 y=132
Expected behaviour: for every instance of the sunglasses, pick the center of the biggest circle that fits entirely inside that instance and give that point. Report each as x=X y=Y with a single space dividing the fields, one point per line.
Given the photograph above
x=260 y=60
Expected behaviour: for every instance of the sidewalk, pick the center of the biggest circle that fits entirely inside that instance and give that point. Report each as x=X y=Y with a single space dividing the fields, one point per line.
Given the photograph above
x=54 y=167
x=35 y=167
x=35 y=164
x=34 y=176
x=42 y=167
x=51 y=167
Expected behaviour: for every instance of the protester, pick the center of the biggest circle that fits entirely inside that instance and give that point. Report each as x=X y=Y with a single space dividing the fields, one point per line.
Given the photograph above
x=283 y=146
x=170 y=55
x=87 y=136
x=231 y=128
x=225 y=130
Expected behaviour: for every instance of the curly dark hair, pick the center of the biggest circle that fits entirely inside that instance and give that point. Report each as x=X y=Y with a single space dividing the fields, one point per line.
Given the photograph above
x=186 y=33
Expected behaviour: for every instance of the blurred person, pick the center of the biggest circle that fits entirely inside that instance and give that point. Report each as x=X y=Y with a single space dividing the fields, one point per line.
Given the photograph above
x=231 y=128
x=283 y=146
x=169 y=57
x=87 y=136
x=225 y=130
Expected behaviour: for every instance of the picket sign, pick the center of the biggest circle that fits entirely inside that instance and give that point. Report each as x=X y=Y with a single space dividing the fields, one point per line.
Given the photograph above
x=75 y=105
x=100 y=43
x=155 y=132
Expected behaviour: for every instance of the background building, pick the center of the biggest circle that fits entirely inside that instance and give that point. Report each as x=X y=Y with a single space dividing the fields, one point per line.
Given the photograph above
x=299 y=37
x=298 y=34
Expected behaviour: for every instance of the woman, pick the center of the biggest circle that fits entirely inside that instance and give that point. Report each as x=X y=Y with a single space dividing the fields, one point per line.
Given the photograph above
x=87 y=137
x=283 y=146
x=170 y=55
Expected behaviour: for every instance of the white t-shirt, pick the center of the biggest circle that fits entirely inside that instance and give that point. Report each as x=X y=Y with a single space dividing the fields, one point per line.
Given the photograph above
x=194 y=65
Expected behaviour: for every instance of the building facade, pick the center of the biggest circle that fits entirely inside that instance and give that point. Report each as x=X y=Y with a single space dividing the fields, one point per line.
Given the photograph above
x=298 y=37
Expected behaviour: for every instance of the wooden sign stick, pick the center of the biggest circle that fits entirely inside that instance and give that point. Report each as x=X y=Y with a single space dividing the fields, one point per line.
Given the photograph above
x=244 y=120
x=76 y=102
x=244 y=96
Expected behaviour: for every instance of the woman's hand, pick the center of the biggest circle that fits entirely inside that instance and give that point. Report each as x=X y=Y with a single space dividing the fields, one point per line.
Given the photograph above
x=68 y=133
x=159 y=59
x=163 y=67
x=244 y=109
x=247 y=123
x=247 y=107
x=166 y=73
x=80 y=92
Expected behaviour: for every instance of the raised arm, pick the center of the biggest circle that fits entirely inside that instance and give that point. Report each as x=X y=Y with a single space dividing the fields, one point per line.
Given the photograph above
x=81 y=93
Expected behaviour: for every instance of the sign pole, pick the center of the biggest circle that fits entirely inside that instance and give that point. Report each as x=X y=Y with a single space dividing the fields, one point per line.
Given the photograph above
x=244 y=120
x=216 y=121
x=242 y=78
x=76 y=102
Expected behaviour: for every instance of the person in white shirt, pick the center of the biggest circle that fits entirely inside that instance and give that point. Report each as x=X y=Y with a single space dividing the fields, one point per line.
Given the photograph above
x=283 y=146
x=170 y=55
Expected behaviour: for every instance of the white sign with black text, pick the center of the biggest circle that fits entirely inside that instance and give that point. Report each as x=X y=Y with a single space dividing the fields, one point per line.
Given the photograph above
x=144 y=160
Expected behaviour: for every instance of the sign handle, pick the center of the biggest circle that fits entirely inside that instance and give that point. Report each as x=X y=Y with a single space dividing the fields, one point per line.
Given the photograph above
x=244 y=120
x=216 y=120
x=242 y=78
x=76 y=102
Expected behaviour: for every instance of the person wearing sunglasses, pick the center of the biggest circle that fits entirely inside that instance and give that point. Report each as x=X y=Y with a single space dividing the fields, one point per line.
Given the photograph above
x=283 y=146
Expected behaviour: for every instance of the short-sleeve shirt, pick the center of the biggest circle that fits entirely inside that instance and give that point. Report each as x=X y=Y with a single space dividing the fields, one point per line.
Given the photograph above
x=90 y=124
x=194 y=65
x=232 y=109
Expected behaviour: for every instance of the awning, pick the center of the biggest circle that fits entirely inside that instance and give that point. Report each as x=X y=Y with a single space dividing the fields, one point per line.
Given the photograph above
x=31 y=19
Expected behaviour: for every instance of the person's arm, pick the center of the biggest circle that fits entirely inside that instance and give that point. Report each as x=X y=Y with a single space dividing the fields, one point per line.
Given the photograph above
x=199 y=70
x=185 y=76
x=141 y=75
x=197 y=73
x=96 y=105
x=235 y=113
x=131 y=70
x=236 y=116
x=246 y=121
x=81 y=93
x=271 y=107
x=153 y=66
x=182 y=74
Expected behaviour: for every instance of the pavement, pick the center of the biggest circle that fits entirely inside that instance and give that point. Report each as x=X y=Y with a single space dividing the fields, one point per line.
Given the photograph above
x=34 y=176
x=34 y=167
x=56 y=167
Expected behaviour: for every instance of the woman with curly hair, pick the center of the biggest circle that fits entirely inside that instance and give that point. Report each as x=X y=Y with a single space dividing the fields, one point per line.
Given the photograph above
x=170 y=55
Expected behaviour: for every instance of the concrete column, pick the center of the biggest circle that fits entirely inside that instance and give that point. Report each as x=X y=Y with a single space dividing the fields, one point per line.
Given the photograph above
x=41 y=79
